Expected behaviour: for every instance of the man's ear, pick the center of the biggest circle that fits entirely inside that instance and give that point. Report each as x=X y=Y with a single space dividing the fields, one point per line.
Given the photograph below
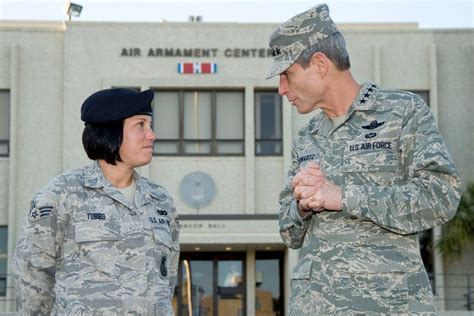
x=320 y=63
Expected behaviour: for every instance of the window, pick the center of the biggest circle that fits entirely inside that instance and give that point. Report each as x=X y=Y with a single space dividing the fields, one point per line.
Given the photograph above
x=3 y=259
x=199 y=122
x=127 y=87
x=268 y=124
x=424 y=94
x=269 y=283
x=211 y=284
x=4 y=123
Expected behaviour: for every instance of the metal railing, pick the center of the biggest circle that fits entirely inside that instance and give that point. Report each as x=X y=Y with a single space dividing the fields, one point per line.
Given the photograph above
x=457 y=293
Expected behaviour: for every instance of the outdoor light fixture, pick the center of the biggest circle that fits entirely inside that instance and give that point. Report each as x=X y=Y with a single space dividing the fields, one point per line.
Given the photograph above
x=73 y=9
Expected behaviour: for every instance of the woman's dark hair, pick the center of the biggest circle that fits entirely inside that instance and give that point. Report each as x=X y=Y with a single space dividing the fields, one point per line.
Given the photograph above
x=103 y=140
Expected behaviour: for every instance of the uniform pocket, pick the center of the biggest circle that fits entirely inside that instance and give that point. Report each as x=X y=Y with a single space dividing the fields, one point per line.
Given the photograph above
x=161 y=309
x=380 y=292
x=96 y=242
x=368 y=161
x=302 y=301
x=162 y=235
x=163 y=246
x=366 y=167
x=96 y=231
x=98 y=307
x=379 y=287
x=377 y=166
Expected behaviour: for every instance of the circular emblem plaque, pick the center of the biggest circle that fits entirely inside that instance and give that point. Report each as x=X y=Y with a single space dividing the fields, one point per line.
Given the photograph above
x=197 y=189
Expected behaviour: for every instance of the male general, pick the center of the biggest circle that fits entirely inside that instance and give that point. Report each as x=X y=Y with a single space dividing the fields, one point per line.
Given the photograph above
x=369 y=171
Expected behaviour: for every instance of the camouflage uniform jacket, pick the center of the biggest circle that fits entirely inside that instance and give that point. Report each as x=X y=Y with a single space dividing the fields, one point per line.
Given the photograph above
x=86 y=250
x=397 y=179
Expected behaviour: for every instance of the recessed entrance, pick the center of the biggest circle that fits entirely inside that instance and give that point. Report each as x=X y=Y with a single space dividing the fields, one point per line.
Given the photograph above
x=211 y=284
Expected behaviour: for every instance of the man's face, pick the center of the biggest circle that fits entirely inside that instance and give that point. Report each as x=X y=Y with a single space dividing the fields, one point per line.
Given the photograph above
x=137 y=145
x=302 y=87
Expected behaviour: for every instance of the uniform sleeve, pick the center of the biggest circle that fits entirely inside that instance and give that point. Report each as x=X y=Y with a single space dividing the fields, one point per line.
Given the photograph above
x=430 y=191
x=35 y=257
x=292 y=226
x=175 y=249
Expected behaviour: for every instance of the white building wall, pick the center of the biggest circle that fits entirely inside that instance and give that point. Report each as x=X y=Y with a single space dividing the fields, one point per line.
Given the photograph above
x=50 y=68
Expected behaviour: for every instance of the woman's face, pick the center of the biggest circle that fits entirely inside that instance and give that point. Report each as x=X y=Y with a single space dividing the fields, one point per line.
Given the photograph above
x=136 y=149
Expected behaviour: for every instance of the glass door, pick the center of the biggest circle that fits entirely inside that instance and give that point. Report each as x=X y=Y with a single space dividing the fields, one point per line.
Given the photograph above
x=196 y=288
x=210 y=284
x=230 y=287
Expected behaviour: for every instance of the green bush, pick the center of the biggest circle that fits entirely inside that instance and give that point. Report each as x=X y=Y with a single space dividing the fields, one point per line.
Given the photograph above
x=459 y=232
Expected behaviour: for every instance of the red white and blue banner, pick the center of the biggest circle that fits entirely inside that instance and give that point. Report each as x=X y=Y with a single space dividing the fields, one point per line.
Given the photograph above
x=197 y=68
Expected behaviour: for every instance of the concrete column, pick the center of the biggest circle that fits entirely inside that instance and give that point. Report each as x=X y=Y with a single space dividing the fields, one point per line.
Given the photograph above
x=249 y=132
x=440 y=296
x=250 y=280
x=378 y=64
x=13 y=222
x=433 y=81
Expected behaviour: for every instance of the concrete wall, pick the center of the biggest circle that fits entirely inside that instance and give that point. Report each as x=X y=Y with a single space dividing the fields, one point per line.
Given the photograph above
x=50 y=68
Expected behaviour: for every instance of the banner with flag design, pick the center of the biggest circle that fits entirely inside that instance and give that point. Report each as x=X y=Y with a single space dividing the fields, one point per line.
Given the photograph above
x=197 y=68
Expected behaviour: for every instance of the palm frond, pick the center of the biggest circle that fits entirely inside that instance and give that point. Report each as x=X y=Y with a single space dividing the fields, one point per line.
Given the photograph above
x=459 y=232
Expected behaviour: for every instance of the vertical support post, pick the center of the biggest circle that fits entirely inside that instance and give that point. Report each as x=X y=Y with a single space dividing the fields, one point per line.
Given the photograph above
x=13 y=220
x=250 y=269
x=468 y=295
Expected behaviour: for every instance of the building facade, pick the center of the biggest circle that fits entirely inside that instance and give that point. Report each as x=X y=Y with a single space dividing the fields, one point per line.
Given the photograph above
x=224 y=135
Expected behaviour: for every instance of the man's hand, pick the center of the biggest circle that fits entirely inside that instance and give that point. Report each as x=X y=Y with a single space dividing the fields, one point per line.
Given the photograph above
x=314 y=192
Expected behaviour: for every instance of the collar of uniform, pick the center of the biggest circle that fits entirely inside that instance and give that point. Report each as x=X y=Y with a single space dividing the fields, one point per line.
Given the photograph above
x=144 y=192
x=365 y=99
x=318 y=123
x=323 y=125
x=94 y=177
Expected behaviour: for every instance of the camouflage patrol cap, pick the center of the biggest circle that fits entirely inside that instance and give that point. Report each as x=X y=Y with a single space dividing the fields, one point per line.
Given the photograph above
x=297 y=34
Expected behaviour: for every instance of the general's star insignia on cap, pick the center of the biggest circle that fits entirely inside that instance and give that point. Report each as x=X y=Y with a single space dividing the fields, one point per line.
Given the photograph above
x=276 y=51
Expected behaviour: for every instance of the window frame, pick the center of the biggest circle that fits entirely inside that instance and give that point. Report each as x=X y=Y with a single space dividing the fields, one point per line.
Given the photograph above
x=419 y=92
x=6 y=142
x=4 y=255
x=263 y=140
x=213 y=141
x=275 y=255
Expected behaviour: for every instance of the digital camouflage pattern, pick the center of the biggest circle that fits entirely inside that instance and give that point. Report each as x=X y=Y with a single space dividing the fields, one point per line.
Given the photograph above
x=86 y=250
x=297 y=34
x=397 y=179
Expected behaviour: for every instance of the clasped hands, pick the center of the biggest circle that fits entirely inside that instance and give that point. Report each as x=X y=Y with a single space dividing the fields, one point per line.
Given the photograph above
x=314 y=192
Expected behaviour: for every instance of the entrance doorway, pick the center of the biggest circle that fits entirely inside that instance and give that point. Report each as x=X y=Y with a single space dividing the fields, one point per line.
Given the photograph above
x=211 y=284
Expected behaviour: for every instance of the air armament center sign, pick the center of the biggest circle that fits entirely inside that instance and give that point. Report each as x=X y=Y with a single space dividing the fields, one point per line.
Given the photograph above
x=197 y=52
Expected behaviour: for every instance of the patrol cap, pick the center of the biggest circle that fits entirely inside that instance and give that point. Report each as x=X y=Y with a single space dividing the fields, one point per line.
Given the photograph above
x=297 y=34
x=116 y=104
